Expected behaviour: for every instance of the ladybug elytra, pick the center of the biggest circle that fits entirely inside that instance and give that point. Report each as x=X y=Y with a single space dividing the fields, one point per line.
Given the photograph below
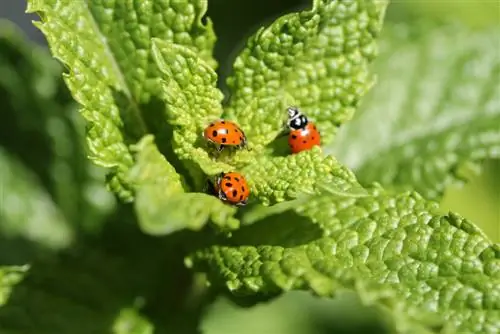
x=232 y=188
x=225 y=133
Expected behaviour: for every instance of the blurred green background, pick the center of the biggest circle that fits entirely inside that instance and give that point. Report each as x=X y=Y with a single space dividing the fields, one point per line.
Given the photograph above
x=294 y=313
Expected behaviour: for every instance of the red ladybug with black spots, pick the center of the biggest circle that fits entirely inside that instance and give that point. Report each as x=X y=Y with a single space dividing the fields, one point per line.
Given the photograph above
x=231 y=187
x=303 y=134
x=225 y=133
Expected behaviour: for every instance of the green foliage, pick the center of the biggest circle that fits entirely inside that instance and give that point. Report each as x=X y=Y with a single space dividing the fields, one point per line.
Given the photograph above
x=112 y=73
x=9 y=277
x=27 y=209
x=318 y=56
x=145 y=80
x=161 y=204
x=395 y=251
x=49 y=187
x=435 y=110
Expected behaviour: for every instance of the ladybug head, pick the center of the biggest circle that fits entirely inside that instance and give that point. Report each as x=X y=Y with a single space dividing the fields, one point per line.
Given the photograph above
x=296 y=120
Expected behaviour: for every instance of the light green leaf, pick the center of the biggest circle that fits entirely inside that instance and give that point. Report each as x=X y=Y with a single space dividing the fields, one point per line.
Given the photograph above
x=9 y=277
x=435 y=110
x=162 y=205
x=26 y=209
x=193 y=101
x=106 y=46
x=425 y=270
x=278 y=179
x=317 y=56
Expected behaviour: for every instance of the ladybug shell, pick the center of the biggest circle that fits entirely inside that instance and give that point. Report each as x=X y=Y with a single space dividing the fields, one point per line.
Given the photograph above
x=233 y=188
x=225 y=133
x=304 y=139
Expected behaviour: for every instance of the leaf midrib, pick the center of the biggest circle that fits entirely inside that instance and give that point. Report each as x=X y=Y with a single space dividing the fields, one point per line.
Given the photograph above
x=119 y=73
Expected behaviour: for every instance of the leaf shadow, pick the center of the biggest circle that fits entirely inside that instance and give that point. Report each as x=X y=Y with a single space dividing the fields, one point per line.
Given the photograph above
x=153 y=114
x=286 y=229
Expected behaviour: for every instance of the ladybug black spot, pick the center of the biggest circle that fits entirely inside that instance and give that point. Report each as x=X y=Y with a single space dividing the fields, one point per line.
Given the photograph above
x=223 y=122
x=241 y=138
x=237 y=179
x=304 y=142
x=224 y=140
x=228 y=184
x=241 y=198
x=314 y=127
x=234 y=141
x=235 y=193
x=294 y=136
x=313 y=138
x=214 y=133
x=211 y=125
x=243 y=188
x=227 y=178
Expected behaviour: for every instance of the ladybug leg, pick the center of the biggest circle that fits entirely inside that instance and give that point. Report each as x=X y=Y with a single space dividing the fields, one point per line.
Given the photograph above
x=220 y=148
x=222 y=196
x=243 y=203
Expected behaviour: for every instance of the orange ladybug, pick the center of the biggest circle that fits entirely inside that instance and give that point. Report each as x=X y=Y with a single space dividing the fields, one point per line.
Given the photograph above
x=232 y=188
x=225 y=133
x=303 y=133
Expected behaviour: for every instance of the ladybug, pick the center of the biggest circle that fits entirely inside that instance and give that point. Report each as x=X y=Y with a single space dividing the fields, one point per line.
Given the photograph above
x=303 y=133
x=232 y=188
x=225 y=133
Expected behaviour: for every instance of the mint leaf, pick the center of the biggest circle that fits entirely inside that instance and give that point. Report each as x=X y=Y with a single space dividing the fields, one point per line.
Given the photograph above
x=129 y=321
x=27 y=209
x=106 y=47
x=122 y=277
x=424 y=269
x=443 y=102
x=9 y=277
x=37 y=112
x=318 y=57
x=161 y=204
x=193 y=101
x=278 y=179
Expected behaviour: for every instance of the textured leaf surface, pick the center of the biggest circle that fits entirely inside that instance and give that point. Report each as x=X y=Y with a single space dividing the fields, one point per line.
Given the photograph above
x=193 y=101
x=435 y=109
x=317 y=56
x=395 y=251
x=42 y=130
x=26 y=209
x=162 y=205
x=283 y=178
x=107 y=47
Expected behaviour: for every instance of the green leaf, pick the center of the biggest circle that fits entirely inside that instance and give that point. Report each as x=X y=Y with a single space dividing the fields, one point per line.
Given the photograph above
x=162 y=205
x=37 y=112
x=129 y=321
x=278 y=179
x=107 y=48
x=9 y=277
x=193 y=101
x=424 y=269
x=95 y=279
x=435 y=110
x=319 y=57
x=27 y=209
